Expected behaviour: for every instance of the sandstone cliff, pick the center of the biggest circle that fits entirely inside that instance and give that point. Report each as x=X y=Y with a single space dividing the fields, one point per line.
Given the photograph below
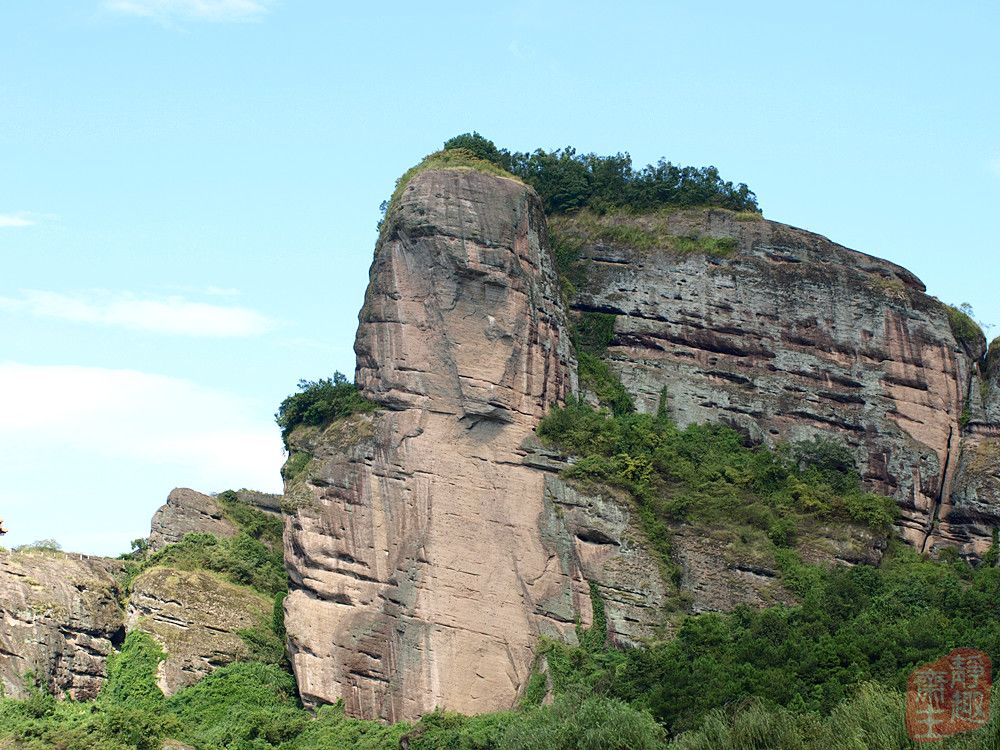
x=63 y=614
x=189 y=512
x=787 y=335
x=196 y=617
x=432 y=542
x=61 y=619
x=426 y=557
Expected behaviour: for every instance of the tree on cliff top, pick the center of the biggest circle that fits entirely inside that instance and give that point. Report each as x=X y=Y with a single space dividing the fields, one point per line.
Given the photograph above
x=319 y=402
x=567 y=180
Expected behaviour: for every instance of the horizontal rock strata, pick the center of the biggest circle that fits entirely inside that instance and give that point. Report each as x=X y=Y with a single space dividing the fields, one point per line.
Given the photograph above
x=196 y=617
x=61 y=618
x=789 y=336
x=422 y=560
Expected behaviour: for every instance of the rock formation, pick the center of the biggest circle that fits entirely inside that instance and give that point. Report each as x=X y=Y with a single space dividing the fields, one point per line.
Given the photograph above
x=63 y=614
x=196 y=617
x=788 y=335
x=425 y=556
x=61 y=618
x=189 y=512
x=433 y=541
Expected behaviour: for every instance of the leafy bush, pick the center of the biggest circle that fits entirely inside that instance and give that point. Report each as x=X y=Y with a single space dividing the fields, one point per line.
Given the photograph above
x=132 y=674
x=40 y=545
x=593 y=331
x=568 y=181
x=576 y=722
x=243 y=559
x=708 y=474
x=854 y=625
x=320 y=402
x=254 y=557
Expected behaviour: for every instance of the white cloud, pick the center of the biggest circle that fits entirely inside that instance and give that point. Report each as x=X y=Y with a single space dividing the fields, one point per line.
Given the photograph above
x=199 y=10
x=15 y=220
x=87 y=453
x=142 y=415
x=173 y=315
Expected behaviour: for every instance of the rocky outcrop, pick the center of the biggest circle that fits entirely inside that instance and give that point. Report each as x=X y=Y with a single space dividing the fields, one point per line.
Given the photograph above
x=196 y=617
x=61 y=618
x=422 y=556
x=62 y=614
x=189 y=512
x=787 y=335
x=597 y=532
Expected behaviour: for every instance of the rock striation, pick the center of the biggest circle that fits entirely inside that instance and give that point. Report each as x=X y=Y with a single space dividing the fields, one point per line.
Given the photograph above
x=62 y=614
x=61 y=619
x=196 y=617
x=426 y=554
x=787 y=335
x=189 y=512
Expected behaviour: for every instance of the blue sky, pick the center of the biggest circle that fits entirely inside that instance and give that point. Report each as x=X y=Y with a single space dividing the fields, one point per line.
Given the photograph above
x=190 y=189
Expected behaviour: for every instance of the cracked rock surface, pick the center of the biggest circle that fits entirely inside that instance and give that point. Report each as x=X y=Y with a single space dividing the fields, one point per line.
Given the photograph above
x=423 y=559
x=196 y=617
x=793 y=336
x=60 y=618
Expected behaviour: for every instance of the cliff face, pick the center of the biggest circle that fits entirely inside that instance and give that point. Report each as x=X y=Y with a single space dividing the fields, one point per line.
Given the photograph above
x=61 y=619
x=62 y=614
x=788 y=335
x=422 y=558
x=196 y=617
x=189 y=512
x=434 y=541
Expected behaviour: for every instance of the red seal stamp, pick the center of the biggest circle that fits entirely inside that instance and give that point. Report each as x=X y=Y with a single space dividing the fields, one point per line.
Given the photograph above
x=949 y=696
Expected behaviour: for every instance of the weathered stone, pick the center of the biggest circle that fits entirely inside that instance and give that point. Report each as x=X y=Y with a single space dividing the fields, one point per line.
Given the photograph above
x=789 y=337
x=266 y=502
x=597 y=533
x=717 y=578
x=423 y=556
x=188 y=512
x=196 y=617
x=61 y=617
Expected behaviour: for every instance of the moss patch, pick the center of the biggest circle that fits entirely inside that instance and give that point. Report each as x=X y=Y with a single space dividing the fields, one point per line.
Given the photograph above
x=966 y=331
x=641 y=231
x=449 y=158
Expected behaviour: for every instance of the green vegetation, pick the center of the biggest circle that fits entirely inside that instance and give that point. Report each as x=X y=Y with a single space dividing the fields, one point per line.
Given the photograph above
x=250 y=706
x=253 y=557
x=964 y=327
x=295 y=465
x=825 y=673
x=709 y=475
x=853 y=626
x=568 y=181
x=40 y=545
x=596 y=376
x=593 y=331
x=450 y=157
x=992 y=363
x=871 y=718
x=646 y=231
x=319 y=402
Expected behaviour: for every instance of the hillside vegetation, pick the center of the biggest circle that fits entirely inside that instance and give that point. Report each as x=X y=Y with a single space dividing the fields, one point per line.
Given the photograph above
x=569 y=181
x=825 y=673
